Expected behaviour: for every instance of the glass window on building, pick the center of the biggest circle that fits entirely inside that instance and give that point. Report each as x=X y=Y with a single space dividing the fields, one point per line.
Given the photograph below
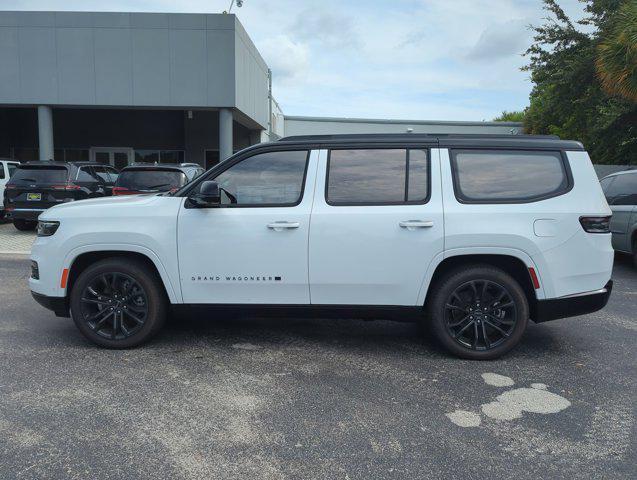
x=146 y=156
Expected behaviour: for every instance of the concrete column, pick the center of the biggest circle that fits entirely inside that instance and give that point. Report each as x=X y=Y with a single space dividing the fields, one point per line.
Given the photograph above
x=225 y=134
x=45 y=132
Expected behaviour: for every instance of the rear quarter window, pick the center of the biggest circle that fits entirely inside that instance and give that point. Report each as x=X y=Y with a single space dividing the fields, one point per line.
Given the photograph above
x=508 y=176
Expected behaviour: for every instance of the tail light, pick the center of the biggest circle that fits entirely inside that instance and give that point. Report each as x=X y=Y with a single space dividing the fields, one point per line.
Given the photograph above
x=595 y=224
x=66 y=186
x=9 y=187
x=122 y=191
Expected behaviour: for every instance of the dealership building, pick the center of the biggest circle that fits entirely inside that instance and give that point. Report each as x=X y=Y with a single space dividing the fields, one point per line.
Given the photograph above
x=150 y=87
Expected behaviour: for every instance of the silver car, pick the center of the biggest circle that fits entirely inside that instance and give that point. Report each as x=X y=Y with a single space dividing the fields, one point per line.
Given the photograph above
x=621 y=193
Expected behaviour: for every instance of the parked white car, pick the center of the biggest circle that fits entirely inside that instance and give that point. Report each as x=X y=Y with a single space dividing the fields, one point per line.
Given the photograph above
x=7 y=167
x=472 y=235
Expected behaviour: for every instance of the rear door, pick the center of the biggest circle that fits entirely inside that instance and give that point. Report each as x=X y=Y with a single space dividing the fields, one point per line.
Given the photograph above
x=377 y=223
x=35 y=187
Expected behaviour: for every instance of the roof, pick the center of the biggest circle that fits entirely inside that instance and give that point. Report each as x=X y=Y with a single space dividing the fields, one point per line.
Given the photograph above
x=441 y=140
x=43 y=163
x=161 y=166
x=623 y=172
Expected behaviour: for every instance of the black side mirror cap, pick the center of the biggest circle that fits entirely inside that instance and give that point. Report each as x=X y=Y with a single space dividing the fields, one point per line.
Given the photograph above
x=209 y=195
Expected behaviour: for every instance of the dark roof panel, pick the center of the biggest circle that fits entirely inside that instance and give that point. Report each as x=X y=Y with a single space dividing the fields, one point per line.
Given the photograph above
x=442 y=140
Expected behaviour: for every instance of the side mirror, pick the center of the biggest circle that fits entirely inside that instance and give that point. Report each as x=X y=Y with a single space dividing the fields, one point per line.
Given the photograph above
x=208 y=196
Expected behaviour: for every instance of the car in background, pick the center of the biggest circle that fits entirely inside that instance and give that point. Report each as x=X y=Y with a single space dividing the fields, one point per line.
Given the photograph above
x=621 y=194
x=36 y=186
x=155 y=178
x=7 y=167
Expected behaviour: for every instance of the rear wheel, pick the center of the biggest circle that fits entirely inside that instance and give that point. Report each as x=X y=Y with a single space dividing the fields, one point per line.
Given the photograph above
x=118 y=303
x=24 y=225
x=479 y=312
x=635 y=253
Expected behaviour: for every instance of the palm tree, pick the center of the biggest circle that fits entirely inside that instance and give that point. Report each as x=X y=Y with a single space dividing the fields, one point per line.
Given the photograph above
x=617 y=53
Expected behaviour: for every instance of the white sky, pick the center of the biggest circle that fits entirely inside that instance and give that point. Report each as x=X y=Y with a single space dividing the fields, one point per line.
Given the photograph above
x=410 y=59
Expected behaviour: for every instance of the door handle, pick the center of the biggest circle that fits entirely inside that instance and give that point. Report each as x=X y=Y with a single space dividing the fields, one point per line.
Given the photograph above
x=280 y=226
x=413 y=224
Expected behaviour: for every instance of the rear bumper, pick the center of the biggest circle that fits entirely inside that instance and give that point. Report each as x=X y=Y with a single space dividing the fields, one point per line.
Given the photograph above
x=58 y=305
x=572 y=305
x=25 y=213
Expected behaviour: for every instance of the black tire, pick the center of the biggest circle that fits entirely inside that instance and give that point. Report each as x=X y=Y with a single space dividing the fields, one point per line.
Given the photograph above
x=24 y=225
x=455 y=320
x=107 y=298
x=635 y=253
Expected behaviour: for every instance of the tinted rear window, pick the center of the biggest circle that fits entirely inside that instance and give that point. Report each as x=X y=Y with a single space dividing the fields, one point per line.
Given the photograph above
x=508 y=176
x=143 y=179
x=40 y=175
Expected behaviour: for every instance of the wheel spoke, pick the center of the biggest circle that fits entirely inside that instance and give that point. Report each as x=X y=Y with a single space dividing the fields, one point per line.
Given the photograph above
x=137 y=319
x=475 y=290
x=455 y=307
x=474 y=344
x=487 y=342
x=459 y=332
x=102 y=321
x=503 y=332
x=504 y=305
x=95 y=301
x=459 y=322
x=483 y=296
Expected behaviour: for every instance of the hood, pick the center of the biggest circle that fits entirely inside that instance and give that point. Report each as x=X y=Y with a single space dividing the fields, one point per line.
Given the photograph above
x=108 y=202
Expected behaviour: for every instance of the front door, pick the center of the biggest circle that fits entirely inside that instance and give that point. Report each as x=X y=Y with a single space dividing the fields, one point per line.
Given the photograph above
x=252 y=249
x=377 y=223
x=117 y=157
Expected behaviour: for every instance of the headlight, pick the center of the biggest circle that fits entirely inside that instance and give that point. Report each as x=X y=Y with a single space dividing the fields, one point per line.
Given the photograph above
x=46 y=229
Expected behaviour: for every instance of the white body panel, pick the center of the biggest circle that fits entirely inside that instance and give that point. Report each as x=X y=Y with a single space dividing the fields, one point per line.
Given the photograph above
x=336 y=255
x=360 y=255
x=139 y=223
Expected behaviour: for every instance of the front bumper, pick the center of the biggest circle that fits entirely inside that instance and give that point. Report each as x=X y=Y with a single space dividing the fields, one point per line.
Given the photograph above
x=572 y=305
x=58 y=305
x=24 y=213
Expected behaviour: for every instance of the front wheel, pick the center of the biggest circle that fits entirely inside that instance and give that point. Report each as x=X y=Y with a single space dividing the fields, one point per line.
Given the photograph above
x=478 y=313
x=118 y=303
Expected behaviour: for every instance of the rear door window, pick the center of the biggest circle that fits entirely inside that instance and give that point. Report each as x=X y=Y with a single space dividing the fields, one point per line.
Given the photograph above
x=102 y=173
x=508 y=176
x=12 y=168
x=40 y=175
x=146 y=179
x=2 y=174
x=377 y=177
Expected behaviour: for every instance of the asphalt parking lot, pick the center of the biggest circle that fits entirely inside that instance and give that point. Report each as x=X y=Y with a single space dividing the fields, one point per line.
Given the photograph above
x=284 y=398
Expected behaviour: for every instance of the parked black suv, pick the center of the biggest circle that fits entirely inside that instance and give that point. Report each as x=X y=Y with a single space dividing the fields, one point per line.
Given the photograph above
x=36 y=186
x=155 y=178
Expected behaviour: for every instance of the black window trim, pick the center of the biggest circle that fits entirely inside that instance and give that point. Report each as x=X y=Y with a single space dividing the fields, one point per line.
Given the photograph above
x=406 y=148
x=566 y=168
x=232 y=161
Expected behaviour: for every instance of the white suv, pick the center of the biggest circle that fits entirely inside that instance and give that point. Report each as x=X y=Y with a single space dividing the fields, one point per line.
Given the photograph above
x=472 y=235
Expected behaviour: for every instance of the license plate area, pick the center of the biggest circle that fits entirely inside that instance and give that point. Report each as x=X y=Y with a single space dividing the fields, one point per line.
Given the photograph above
x=34 y=197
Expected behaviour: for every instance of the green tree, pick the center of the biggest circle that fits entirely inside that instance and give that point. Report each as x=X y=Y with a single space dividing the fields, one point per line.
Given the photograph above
x=567 y=97
x=617 y=54
x=510 y=117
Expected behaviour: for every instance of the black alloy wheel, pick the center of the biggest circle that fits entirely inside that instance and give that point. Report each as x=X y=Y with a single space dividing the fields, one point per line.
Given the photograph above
x=480 y=314
x=119 y=302
x=477 y=312
x=114 y=305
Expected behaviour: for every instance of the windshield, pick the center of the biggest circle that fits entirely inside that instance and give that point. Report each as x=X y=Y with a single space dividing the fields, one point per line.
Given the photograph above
x=40 y=175
x=145 y=179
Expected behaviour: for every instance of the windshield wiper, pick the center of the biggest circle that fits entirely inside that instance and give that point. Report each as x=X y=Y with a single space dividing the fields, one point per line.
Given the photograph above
x=157 y=186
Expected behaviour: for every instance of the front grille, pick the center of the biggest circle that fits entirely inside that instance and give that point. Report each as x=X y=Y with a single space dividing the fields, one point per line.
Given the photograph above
x=35 y=271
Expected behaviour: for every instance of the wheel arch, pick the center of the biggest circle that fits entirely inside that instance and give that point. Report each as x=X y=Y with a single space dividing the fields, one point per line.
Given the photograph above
x=80 y=260
x=515 y=265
